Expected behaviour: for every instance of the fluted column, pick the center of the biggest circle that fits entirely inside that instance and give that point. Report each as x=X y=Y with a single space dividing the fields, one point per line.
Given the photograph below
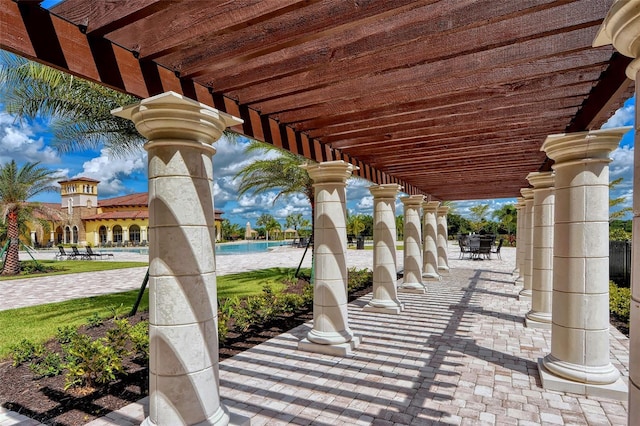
x=621 y=28
x=430 y=241
x=183 y=338
x=542 y=271
x=520 y=242
x=385 y=273
x=412 y=280
x=330 y=333
x=579 y=360
x=443 y=240
x=527 y=228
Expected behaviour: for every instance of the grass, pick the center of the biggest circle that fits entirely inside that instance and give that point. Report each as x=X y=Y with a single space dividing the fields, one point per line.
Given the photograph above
x=74 y=267
x=40 y=323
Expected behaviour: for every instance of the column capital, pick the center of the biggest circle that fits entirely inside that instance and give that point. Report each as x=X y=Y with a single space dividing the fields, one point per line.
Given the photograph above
x=173 y=116
x=443 y=210
x=621 y=28
x=329 y=171
x=541 y=180
x=412 y=200
x=519 y=203
x=431 y=206
x=385 y=190
x=593 y=144
x=527 y=194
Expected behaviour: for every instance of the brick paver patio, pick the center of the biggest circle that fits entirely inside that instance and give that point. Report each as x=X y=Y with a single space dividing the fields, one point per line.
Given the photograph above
x=459 y=354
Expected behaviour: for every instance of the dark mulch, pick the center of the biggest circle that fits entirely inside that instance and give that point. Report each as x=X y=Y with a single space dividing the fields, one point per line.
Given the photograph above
x=46 y=400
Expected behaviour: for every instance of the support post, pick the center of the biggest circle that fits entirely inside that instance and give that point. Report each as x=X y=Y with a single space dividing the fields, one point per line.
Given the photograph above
x=412 y=276
x=443 y=240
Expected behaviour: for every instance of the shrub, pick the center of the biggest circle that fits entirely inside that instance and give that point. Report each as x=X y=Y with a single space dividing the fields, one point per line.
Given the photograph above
x=66 y=333
x=48 y=365
x=358 y=279
x=620 y=302
x=91 y=362
x=139 y=336
x=26 y=351
x=118 y=336
x=94 y=320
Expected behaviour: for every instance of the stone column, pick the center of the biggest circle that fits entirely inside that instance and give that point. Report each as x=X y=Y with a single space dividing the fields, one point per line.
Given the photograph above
x=621 y=28
x=412 y=279
x=110 y=234
x=183 y=338
x=52 y=235
x=143 y=234
x=330 y=334
x=443 y=240
x=579 y=359
x=430 y=241
x=33 y=238
x=520 y=242
x=542 y=271
x=527 y=232
x=385 y=275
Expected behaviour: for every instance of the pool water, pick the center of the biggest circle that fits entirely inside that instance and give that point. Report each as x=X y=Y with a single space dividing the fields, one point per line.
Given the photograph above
x=246 y=247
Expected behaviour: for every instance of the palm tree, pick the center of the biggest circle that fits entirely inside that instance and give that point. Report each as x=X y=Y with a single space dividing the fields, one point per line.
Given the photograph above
x=294 y=220
x=16 y=187
x=506 y=215
x=269 y=222
x=282 y=173
x=613 y=202
x=80 y=110
x=478 y=212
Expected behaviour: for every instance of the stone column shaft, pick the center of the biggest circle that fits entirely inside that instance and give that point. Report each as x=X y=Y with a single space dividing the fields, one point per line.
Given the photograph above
x=330 y=333
x=443 y=240
x=385 y=273
x=183 y=309
x=621 y=28
x=542 y=270
x=527 y=227
x=579 y=360
x=412 y=280
x=430 y=238
x=520 y=241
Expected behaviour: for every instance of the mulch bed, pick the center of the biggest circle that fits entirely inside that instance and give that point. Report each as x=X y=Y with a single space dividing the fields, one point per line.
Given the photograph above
x=46 y=400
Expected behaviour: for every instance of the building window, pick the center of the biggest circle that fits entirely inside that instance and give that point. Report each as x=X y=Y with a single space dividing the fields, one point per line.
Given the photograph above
x=75 y=235
x=134 y=234
x=67 y=235
x=117 y=234
x=102 y=234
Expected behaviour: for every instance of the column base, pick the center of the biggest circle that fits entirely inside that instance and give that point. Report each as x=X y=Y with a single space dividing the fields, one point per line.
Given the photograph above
x=384 y=309
x=338 y=349
x=221 y=418
x=525 y=295
x=443 y=270
x=431 y=276
x=539 y=320
x=617 y=390
x=519 y=280
x=417 y=288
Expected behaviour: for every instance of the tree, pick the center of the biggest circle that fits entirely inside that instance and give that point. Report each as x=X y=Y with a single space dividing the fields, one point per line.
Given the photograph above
x=16 y=187
x=80 y=110
x=269 y=222
x=355 y=224
x=479 y=213
x=507 y=216
x=613 y=202
x=231 y=231
x=294 y=220
x=282 y=174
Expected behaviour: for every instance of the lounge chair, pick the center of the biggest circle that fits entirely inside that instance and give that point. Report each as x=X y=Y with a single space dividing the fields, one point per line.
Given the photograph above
x=63 y=255
x=82 y=256
x=95 y=255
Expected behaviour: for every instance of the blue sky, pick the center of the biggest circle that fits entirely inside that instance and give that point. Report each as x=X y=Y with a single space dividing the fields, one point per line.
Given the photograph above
x=30 y=141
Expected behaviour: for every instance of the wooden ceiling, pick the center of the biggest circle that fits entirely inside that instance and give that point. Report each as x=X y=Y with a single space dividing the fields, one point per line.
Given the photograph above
x=449 y=98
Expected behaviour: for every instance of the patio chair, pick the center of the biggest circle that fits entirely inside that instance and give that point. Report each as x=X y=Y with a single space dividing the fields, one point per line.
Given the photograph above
x=484 y=249
x=63 y=255
x=76 y=254
x=497 y=250
x=95 y=255
x=463 y=242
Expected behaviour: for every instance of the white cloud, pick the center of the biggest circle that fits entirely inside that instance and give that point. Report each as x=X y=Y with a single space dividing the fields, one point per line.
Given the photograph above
x=18 y=142
x=111 y=171
x=622 y=163
x=622 y=117
x=365 y=204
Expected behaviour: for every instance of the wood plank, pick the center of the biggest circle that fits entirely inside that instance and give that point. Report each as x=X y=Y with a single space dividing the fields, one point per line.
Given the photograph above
x=574 y=24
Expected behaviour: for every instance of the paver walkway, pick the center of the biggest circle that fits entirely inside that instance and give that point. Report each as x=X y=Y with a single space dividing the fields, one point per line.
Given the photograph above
x=459 y=354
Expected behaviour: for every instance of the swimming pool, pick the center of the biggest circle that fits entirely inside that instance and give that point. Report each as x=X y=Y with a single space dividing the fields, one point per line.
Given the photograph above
x=246 y=247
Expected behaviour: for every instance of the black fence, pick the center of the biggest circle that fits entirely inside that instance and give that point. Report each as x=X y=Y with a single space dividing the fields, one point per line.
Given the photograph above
x=620 y=262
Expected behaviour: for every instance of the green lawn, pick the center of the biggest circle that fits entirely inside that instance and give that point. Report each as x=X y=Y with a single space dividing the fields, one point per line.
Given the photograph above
x=74 y=266
x=39 y=323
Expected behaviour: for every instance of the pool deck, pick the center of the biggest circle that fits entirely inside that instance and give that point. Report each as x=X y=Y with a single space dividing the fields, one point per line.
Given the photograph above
x=459 y=354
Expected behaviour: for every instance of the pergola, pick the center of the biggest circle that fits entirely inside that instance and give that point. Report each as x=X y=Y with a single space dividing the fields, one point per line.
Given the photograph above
x=453 y=100
x=450 y=99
